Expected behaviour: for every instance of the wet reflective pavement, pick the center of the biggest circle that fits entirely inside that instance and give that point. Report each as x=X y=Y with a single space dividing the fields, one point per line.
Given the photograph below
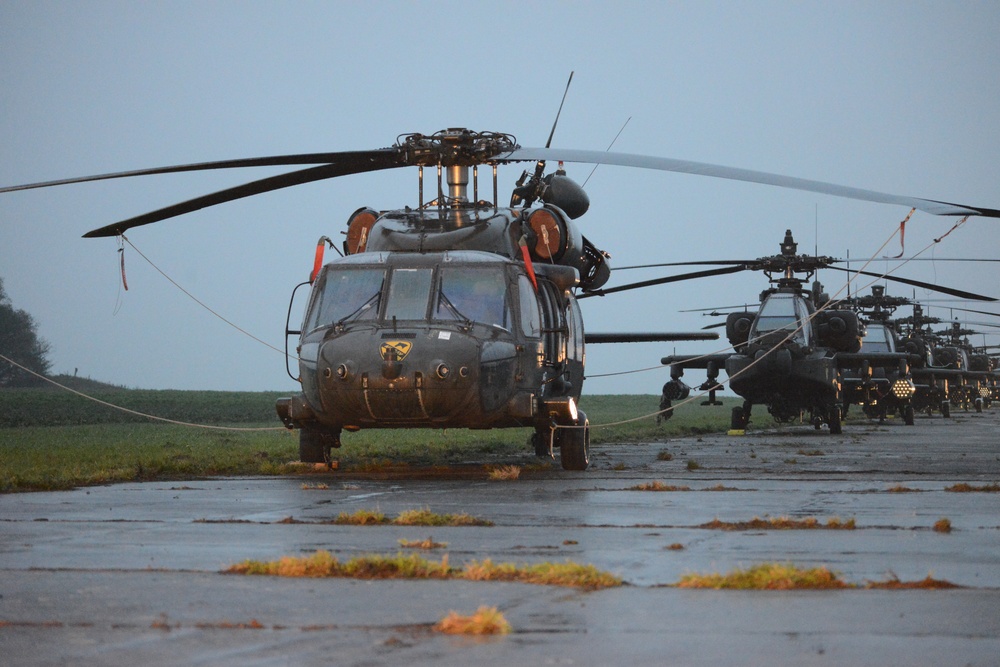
x=131 y=573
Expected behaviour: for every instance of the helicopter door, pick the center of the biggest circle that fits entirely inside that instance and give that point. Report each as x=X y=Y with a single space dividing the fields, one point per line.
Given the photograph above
x=554 y=330
x=575 y=352
x=551 y=343
x=531 y=323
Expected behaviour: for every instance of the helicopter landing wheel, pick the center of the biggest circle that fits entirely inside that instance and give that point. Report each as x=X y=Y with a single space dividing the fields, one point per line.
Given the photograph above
x=908 y=414
x=834 y=421
x=945 y=409
x=315 y=445
x=311 y=446
x=574 y=444
x=739 y=420
x=540 y=441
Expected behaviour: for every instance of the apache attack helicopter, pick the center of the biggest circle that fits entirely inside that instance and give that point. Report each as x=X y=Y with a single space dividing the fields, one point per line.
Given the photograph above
x=884 y=391
x=942 y=374
x=951 y=372
x=789 y=355
x=972 y=378
x=459 y=312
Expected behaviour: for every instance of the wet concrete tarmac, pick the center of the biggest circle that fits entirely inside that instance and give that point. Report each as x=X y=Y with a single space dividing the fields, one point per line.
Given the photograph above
x=131 y=573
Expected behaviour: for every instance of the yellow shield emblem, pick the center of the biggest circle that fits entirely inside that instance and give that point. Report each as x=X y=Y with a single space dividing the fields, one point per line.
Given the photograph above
x=395 y=348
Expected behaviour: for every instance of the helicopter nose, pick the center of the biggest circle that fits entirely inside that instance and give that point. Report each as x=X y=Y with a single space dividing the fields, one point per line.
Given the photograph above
x=404 y=377
x=391 y=365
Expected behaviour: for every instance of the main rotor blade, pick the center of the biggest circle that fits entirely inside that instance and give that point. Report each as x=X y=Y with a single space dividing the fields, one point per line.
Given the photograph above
x=728 y=262
x=367 y=163
x=742 y=306
x=733 y=173
x=345 y=157
x=721 y=262
x=918 y=283
x=992 y=325
x=941 y=259
x=661 y=281
x=647 y=337
x=969 y=310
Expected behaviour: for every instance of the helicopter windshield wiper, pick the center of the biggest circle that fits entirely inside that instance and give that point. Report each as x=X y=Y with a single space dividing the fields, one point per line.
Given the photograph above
x=455 y=311
x=372 y=300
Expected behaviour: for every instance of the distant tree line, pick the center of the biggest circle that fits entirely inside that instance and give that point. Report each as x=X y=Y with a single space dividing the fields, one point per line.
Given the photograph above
x=19 y=341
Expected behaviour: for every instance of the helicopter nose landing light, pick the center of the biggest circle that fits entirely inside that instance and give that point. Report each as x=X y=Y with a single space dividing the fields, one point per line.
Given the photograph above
x=562 y=410
x=903 y=388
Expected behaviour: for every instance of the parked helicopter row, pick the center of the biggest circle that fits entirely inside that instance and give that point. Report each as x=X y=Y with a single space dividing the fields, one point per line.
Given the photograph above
x=803 y=354
x=462 y=313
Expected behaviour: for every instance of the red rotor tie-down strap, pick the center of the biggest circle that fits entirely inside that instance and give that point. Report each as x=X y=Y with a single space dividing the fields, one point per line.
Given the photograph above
x=527 y=262
x=121 y=256
x=902 y=234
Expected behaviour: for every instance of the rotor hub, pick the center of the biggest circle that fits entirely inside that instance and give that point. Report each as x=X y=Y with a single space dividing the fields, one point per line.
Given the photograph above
x=455 y=146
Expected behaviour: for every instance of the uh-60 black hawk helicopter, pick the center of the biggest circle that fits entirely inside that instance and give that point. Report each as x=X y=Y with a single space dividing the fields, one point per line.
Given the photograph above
x=459 y=312
x=790 y=354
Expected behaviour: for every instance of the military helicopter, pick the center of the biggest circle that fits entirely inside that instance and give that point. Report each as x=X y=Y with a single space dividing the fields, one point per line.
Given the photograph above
x=790 y=354
x=973 y=380
x=459 y=312
x=883 y=391
x=950 y=371
x=942 y=375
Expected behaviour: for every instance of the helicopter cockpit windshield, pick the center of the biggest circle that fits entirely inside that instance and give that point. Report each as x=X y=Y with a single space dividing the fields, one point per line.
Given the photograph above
x=877 y=339
x=466 y=294
x=474 y=295
x=350 y=294
x=782 y=312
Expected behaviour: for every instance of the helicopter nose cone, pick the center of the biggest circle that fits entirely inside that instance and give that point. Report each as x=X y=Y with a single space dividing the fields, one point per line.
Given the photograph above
x=391 y=369
x=415 y=377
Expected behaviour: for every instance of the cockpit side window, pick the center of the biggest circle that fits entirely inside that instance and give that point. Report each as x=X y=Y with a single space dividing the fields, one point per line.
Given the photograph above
x=531 y=319
x=345 y=294
x=473 y=294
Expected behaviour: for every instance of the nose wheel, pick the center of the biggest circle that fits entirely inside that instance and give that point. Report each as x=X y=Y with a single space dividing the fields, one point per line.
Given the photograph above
x=740 y=417
x=574 y=444
x=315 y=445
x=834 y=420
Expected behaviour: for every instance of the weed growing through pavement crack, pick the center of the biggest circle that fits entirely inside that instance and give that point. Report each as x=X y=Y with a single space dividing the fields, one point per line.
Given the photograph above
x=969 y=488
x=486 y=621
x=401 y=566
x=780 y=523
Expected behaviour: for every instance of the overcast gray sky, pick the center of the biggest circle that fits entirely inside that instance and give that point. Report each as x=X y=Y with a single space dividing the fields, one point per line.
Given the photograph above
x=900 y=97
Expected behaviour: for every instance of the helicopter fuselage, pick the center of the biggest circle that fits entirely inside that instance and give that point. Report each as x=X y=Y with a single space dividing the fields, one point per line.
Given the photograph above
x=780 y=365
x=452 y=339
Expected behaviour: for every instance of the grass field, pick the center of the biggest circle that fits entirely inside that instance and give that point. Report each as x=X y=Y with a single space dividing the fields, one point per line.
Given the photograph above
x=58 y=440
